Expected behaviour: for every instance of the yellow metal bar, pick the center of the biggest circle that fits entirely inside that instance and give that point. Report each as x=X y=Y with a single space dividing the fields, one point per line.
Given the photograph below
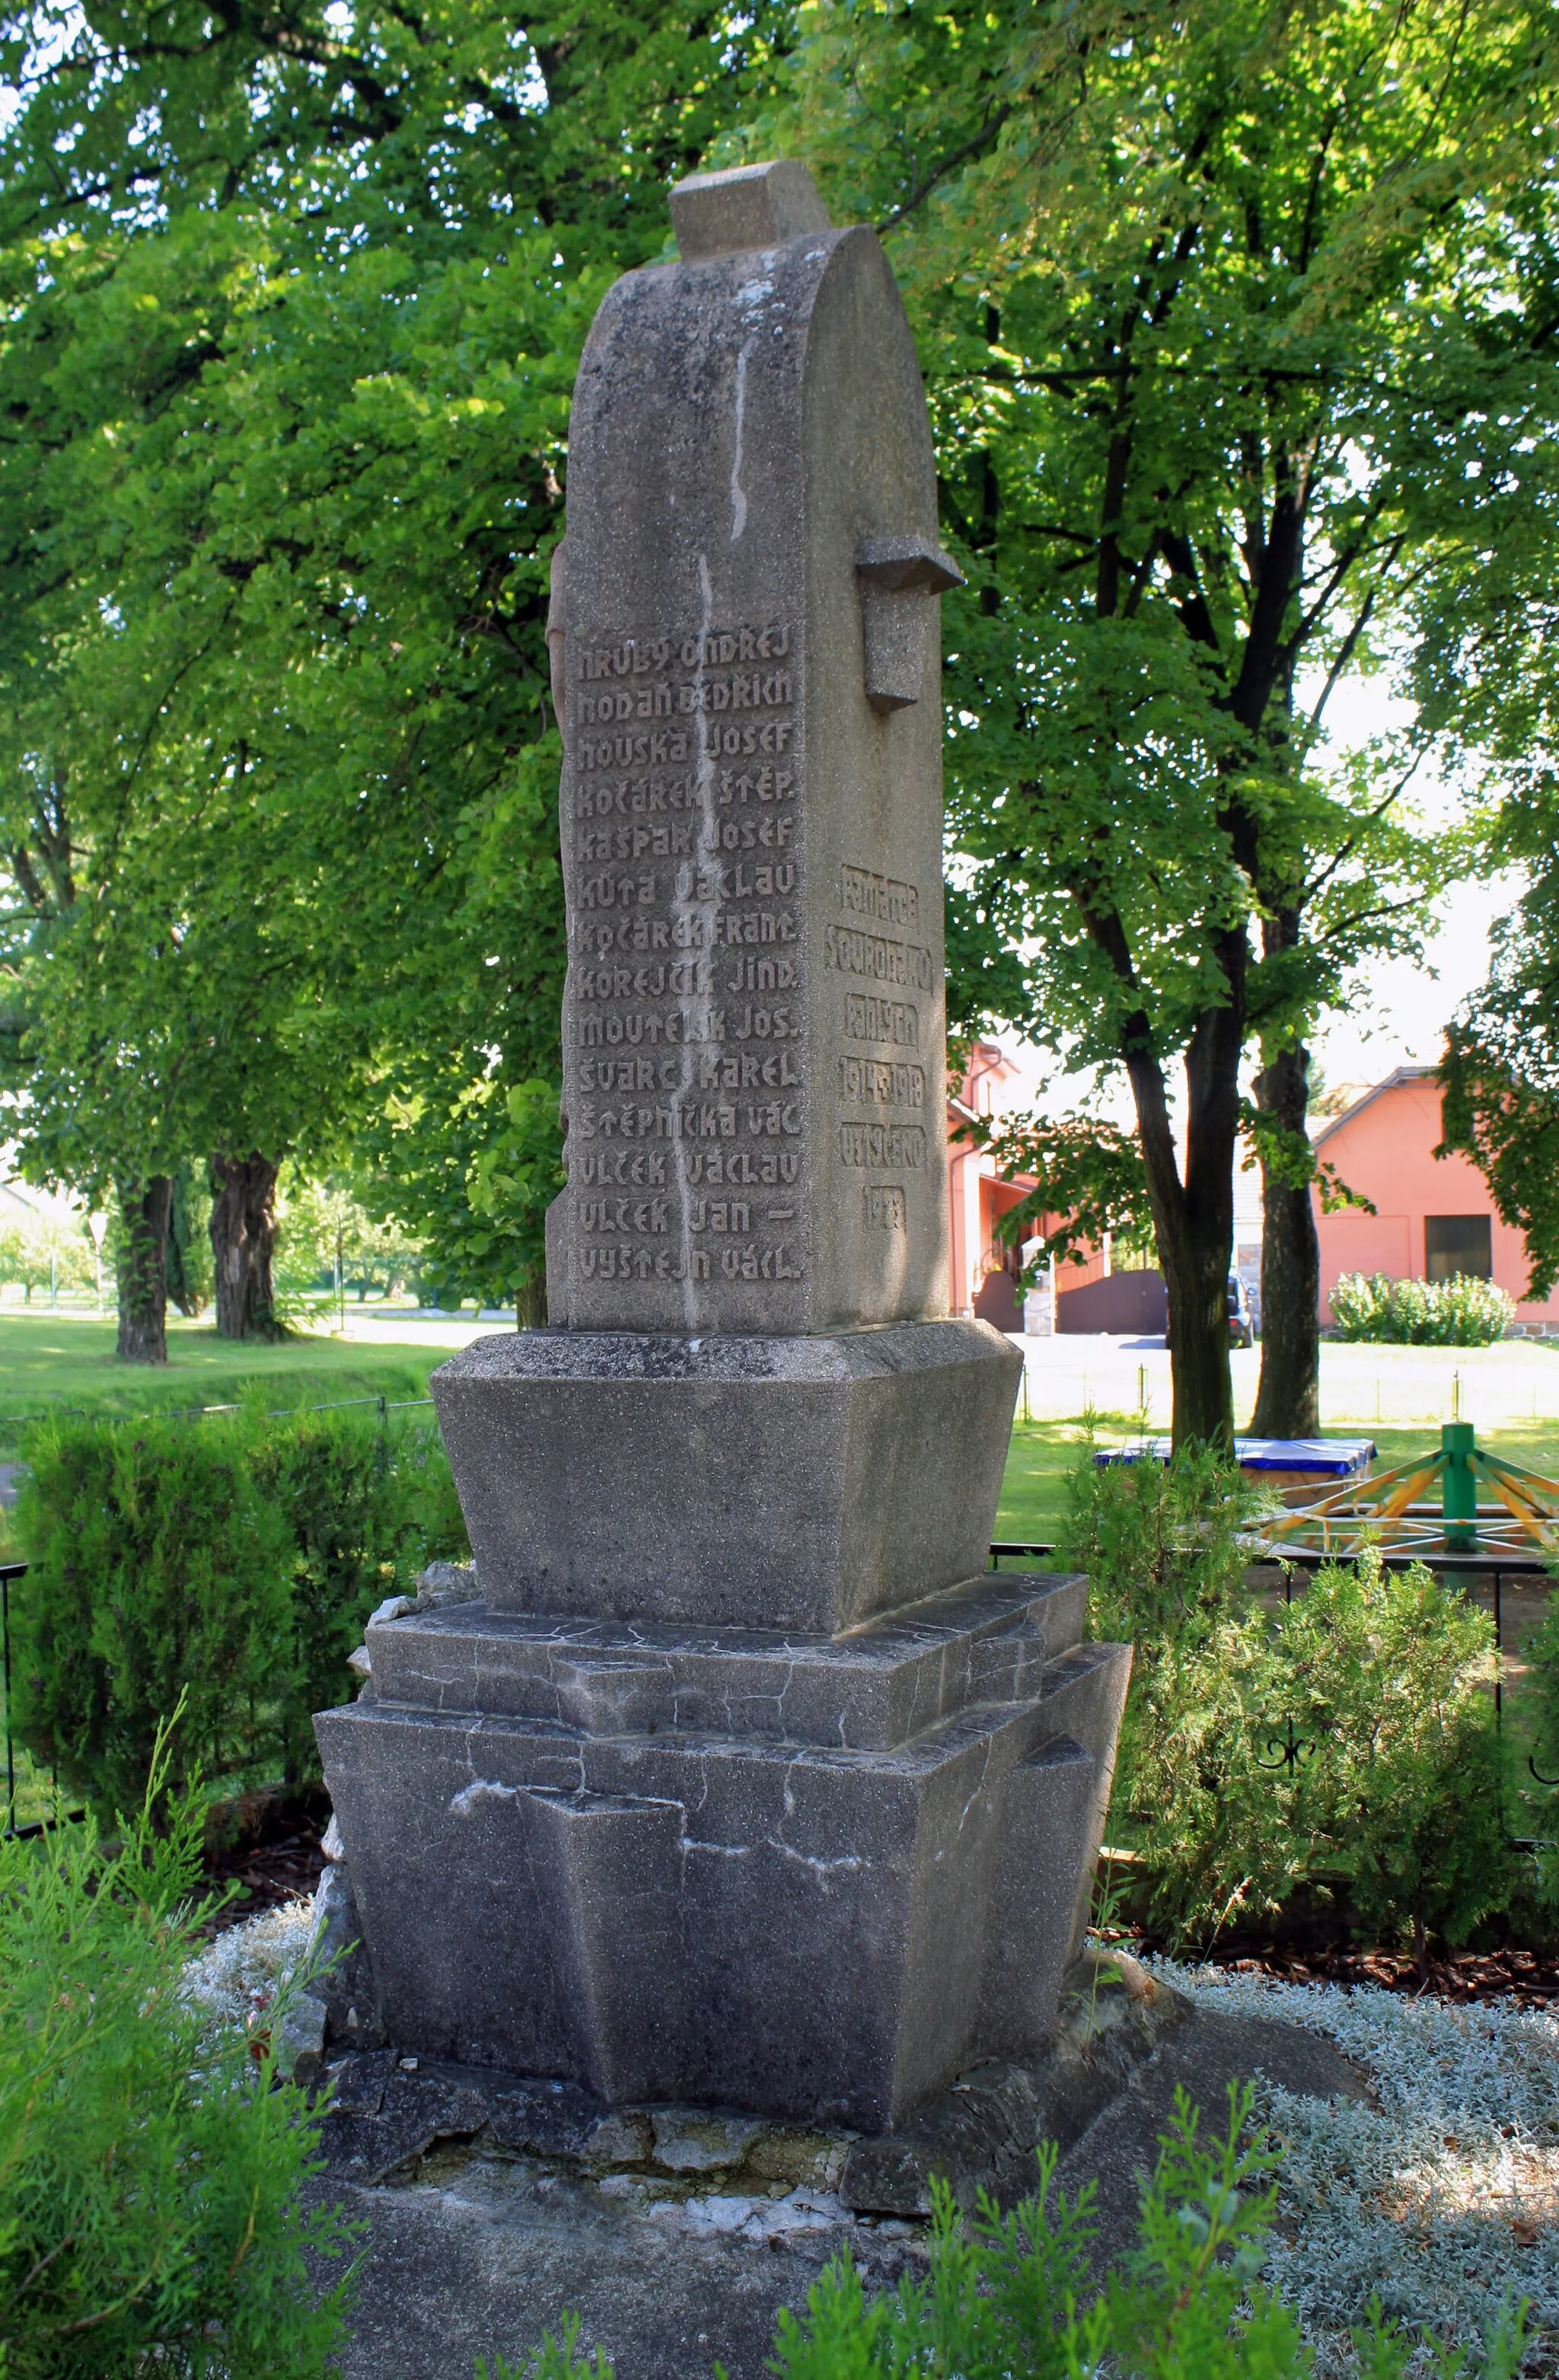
x=1353 y=1497
x=1536 y=1525
x=1402 y=1497
x=1498 y=1468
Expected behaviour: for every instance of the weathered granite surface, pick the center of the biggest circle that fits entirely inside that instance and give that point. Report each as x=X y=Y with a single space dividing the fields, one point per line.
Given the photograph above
x=751 y=796
x=813 y=1879
x=811 y=1481
x=741 y=1784
x=872 y=1690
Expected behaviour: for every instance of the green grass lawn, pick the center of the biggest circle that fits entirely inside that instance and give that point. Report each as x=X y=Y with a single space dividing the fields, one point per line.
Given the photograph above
x=53 y=1360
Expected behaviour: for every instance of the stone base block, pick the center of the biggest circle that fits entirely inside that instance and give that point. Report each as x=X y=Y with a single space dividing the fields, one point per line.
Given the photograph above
x=815 y=1880
x=810 y=1482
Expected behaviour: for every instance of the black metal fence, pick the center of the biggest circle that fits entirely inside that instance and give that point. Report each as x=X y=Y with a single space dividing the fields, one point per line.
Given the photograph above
x=384 y=1405
x=1281 y=1743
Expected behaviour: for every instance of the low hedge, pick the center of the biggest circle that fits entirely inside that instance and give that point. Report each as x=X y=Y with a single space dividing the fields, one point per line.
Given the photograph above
x=1459 y=1313
x=232 y=1560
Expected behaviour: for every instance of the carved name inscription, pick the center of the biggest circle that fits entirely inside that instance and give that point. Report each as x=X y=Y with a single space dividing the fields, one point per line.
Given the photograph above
x=685 y=924
x=750 y=807
x=887 y=1079
x=885 y=1208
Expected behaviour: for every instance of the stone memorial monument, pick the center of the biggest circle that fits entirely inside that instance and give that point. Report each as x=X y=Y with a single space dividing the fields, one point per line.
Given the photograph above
x=745 y=1781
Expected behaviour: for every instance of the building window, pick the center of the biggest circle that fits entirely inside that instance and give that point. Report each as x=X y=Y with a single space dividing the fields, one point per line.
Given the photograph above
x=1455 y=1244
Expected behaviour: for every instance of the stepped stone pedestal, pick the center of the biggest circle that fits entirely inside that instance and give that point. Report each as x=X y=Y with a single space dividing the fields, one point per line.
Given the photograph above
x=743 y=1783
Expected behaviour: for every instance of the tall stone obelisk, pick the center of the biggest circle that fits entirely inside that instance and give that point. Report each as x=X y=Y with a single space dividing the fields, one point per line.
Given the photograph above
x=745 y=1782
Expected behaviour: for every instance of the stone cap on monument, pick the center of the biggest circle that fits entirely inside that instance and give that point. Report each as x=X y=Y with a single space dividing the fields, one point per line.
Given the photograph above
x=746 y=206
x=747 y=670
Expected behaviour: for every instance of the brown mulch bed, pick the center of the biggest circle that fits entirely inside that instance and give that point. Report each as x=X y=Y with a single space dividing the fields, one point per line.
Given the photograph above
x=1518 y=1977
x=268 y=1846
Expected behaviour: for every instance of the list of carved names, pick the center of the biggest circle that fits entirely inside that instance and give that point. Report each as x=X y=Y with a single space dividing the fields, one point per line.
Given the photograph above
x=687 y=1061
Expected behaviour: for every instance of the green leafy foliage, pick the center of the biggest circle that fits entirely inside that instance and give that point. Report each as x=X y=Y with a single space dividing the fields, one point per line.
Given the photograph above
x=1008 y=2297
x=1539 y=1784
x=1162 y=1543
x=1236 y=326
x=289 y=387
x=1164 y=1548
x=1462 y=1312
x=327 y=1237
x=41 y=1252
x=158 y=1570
x=150 y=2218
x=1387 y=1676
x=235 y=1560
x=1087 y=1176
x=556 y=2358
x=1348 y=1742
x=1501 y=1075
x=365 y=1513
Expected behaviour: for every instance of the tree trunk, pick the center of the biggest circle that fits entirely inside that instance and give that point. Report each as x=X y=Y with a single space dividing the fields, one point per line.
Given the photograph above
x=184 y=1290
x=1288 y=1399
x=142 y=1270
x=243 y=1240
x=1194 y=1219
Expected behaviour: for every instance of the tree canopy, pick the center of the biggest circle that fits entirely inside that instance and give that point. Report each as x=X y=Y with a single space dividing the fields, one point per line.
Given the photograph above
x=1238 y=335
x=1238 y=324
x=292 y=302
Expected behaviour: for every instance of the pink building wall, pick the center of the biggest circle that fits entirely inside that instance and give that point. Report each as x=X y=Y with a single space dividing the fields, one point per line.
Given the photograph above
x=1383 y=1147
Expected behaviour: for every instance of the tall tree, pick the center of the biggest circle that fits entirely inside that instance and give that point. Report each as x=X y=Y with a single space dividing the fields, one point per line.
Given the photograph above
x=1211 y=299
x=293 y=306
x=1488 y=665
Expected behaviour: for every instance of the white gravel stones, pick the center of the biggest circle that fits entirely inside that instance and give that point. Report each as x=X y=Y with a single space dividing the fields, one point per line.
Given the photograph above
x=1443 y=2199
x=237 y=1977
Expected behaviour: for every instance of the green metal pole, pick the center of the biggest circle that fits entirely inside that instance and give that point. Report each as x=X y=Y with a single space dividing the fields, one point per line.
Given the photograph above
x=1458 y=1486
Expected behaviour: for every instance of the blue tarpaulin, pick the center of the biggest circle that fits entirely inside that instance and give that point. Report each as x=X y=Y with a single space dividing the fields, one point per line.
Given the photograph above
x=1318 y=1458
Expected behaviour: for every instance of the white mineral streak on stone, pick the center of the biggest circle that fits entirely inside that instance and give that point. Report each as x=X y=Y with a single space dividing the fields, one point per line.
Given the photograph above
x=821 y=1868
x=724 y=1850
x=757 y=2219
x=978 y=1787
x=738 y=498
x=706 y=912
x=481 y=1789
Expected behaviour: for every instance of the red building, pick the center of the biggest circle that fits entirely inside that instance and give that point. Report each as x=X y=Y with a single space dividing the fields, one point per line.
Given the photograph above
x=1434 y=1216
x=984 y=1269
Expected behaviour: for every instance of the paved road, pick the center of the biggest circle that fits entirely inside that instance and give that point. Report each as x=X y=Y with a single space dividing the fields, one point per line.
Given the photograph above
x=1398 y=1386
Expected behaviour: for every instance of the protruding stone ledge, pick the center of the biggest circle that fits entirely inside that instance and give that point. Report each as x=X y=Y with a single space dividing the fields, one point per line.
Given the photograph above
x=807 y=1930
x=746 y=206
x=988 y=1641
